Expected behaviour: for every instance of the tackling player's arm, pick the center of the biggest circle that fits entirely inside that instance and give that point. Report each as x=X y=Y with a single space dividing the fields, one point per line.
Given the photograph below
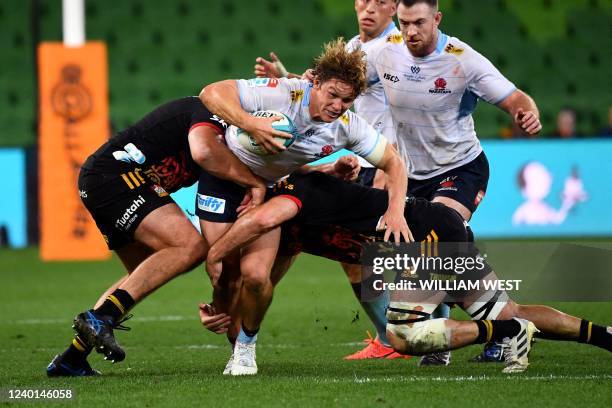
x=393 y=220
x=523 y=110
x=223 y=99
x=345 y=168
x=214 y=157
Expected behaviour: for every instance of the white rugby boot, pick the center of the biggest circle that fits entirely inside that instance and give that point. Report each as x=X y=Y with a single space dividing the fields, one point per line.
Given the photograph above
x=517 y=348
x=244 y=359
x=228 y=366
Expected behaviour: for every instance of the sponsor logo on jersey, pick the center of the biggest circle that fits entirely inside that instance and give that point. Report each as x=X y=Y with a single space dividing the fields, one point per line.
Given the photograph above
x=297 y=95
x=260 y=82
x=440 y=87
x=448 y=184
x=413 y=75
x=345 y=118
x=395 y=38
x=325 y=151
x=159 y=190
x=451 y=49
x=133 y=179
x=479 y=197
x=82 y=193
x=129 y=216
x=219 y=121
x=211 y=204
x=391 y=78
x=309 y=132
x=130 y=153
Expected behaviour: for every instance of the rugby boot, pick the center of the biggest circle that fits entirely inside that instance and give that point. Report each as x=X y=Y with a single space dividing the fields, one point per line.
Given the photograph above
x=60 y=368
x=244 y=359
x=492 y=353
x=436 y=359
x=375 y=349
x=228 y=366
x=517 y=348
x=97 y=331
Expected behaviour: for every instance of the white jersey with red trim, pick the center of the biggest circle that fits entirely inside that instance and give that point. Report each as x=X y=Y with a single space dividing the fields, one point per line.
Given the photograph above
x=316 y=139
x=432 y=99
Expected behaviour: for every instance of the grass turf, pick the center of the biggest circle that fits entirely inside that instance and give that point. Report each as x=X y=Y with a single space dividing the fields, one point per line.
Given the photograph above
x=313 y=322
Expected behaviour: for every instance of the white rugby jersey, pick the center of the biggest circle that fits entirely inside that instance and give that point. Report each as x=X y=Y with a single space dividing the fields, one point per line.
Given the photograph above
x=372 y=104
x=316 y=140
x=432 y=99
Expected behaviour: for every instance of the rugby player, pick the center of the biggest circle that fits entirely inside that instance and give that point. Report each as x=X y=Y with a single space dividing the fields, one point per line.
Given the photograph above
x=375 y=21
x=126 y=186
x=320 y=113
x=311 y=202
x=433 y=82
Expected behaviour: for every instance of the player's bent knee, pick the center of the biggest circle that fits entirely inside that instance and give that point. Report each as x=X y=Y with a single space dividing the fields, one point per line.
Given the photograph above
x=255 y=279
x=419 y=338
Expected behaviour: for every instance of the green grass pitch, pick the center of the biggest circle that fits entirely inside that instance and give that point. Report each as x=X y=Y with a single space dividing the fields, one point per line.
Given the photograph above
x=313 y=322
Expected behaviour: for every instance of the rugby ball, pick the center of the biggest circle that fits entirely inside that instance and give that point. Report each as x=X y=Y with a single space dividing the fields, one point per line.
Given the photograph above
x=284 y=125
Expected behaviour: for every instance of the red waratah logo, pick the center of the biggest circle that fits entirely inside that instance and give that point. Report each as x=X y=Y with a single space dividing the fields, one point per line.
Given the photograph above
x=440 y=87
x=440 y=83
x=327 y=150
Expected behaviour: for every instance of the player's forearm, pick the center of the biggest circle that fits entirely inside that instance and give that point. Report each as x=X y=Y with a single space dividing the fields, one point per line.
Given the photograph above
x=222 y=99
x=215 y=158
x=327 y=168
x=240 y=234
x=519 y=100
x=227 y=166
x=396 y=177
x=397 y=185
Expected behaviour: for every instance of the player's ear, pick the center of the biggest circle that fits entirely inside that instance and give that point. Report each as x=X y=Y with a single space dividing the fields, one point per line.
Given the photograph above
x=438 y=18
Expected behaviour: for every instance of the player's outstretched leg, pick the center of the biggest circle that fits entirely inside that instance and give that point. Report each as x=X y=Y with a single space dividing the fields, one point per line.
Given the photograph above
x=410 y=330
x=556 y=325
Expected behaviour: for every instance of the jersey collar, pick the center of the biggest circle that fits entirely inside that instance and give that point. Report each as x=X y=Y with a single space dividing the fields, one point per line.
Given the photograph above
x=442 y=38
x=306 y=99
x=388 y=30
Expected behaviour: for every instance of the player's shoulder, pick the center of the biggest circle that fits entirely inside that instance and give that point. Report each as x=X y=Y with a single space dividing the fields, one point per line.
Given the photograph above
x=458 y=49
x=353 y=43
x=273 y=82
x=351 y=123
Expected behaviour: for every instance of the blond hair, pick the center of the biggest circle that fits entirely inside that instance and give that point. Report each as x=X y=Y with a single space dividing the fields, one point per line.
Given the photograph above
x=336 y=62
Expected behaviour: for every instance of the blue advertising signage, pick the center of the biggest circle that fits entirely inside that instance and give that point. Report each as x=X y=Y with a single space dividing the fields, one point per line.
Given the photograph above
x=13 y=203
x=547 y=188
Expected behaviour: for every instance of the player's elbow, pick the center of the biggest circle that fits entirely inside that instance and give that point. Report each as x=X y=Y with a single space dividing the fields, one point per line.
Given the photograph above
x=206 y=95
x=203 y=152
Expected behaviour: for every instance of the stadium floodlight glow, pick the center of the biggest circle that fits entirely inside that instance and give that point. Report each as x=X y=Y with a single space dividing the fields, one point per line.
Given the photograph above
x=73 y=21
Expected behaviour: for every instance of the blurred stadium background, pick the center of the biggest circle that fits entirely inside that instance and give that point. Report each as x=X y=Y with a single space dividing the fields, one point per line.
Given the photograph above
x=557 y=50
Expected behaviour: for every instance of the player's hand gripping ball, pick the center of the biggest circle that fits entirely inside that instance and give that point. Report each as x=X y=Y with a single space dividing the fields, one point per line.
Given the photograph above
x=284 y=125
